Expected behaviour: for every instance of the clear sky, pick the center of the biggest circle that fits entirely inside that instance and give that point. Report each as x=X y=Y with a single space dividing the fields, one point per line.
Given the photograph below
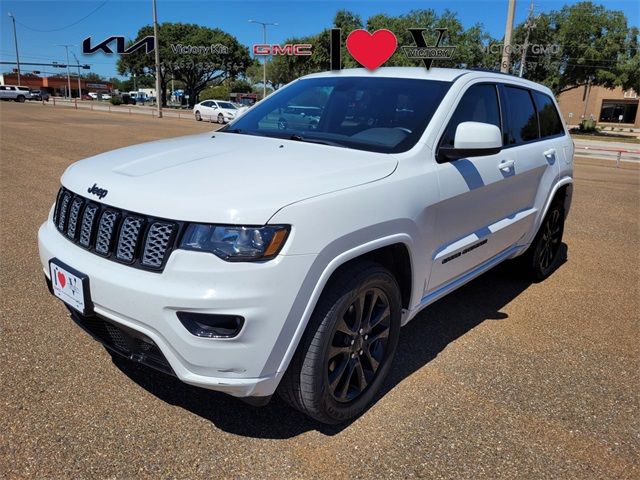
x=42 y=25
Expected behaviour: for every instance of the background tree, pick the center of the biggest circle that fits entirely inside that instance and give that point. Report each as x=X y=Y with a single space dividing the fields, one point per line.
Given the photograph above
x=596 y=46
x=93 y=77
x=197 y=70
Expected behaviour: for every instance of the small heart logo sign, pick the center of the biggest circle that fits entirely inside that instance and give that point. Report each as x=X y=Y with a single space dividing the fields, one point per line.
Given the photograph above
x=371 y=49
x=61 y=279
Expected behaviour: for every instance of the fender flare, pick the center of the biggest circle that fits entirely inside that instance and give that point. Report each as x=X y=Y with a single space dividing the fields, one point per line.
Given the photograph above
x=298 y=318
x=562 y=182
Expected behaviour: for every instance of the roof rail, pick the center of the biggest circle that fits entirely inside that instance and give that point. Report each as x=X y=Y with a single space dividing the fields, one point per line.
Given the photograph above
x=477 y=69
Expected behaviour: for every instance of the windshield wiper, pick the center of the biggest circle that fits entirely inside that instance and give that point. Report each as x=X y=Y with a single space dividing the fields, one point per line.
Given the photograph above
x=299 y=138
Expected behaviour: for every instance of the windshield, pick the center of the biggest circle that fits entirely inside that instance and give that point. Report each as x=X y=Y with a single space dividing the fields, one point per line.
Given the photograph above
x=376 y=114
x=227 y=105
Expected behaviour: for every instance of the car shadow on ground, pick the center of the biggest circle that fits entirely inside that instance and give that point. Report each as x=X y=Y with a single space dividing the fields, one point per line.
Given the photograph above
x=420 y=342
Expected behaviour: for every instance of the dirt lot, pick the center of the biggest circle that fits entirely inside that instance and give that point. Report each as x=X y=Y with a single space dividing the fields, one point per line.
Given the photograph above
x=501 y=379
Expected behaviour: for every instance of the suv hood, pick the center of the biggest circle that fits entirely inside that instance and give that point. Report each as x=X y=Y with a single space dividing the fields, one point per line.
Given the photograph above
x=222 y=177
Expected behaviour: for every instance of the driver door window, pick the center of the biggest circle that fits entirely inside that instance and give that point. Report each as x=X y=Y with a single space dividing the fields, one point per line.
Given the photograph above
x=479 y=104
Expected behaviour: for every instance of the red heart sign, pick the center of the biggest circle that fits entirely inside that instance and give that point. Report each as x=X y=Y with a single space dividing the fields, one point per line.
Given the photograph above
x=371 y=50
x=61 y=279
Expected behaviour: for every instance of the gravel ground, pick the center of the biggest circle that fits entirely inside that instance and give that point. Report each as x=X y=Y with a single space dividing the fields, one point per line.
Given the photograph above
x=502 y=379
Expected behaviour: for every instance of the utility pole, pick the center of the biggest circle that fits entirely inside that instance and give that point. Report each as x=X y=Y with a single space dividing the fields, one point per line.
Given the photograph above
x=264 y=63
x=79 y=87
x=15 y=39
x=529 y=26
x=157 y=52
x=66 y=47
x=506 y=47
x=586 y=100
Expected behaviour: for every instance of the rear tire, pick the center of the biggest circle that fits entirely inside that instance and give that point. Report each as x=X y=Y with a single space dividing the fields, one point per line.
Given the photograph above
x=348 y=347
x=198 y=116
x=541 y=258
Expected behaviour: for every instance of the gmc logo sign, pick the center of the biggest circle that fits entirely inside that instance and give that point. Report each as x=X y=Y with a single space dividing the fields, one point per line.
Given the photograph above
x=147 y=43
x=297 y=49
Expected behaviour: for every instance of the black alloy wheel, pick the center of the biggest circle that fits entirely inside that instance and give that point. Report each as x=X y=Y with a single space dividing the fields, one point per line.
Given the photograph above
x=359 y=345
x=543 y=255
x=348 y=346
x=550 y=240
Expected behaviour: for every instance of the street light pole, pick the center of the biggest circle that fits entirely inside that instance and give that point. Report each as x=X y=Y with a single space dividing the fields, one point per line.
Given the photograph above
x=15 y=39
x=66 y=47
x=157 y=52
x=264 y=63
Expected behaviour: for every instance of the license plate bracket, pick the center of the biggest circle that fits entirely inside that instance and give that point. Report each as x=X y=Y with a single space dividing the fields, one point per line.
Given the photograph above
x=71 y=286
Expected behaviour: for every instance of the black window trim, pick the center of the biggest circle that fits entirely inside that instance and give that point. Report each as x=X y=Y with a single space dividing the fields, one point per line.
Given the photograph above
x=502 y=86
x=557 y=135
x=495 y=85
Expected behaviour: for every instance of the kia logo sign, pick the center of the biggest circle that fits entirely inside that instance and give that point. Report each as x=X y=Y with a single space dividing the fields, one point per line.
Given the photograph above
x=296 y=49
x=148 y=43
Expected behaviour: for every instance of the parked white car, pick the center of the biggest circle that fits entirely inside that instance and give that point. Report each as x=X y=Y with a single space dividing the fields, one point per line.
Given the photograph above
x=14 y=92
x=262 y=258
x=219 y=111
x=99 y=96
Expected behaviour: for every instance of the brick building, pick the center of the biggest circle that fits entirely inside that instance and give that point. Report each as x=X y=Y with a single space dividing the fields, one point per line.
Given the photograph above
x=604 y=105
x=56 y=86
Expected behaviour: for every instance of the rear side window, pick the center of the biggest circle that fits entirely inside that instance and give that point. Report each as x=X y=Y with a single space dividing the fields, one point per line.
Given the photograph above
x=522 y=125
x=479 y=104
x=550 y=123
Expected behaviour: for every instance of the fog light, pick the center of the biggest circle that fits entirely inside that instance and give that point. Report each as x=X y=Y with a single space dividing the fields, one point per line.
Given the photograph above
x=210 y=325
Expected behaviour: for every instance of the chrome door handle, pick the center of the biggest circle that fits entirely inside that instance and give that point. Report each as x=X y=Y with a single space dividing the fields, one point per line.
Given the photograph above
x=506 y=165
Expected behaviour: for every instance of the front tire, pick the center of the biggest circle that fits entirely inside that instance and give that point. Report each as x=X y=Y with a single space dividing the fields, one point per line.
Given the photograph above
x=198 y=116
x=542 y=256
x=220 y=119
x=20 y=99
x=348 y=347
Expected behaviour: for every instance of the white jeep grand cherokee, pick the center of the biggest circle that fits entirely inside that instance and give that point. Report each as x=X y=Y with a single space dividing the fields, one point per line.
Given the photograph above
x=260 y=257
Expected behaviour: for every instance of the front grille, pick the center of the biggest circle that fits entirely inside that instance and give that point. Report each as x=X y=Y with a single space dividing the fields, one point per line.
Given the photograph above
x=123 y=341
x=116 y=234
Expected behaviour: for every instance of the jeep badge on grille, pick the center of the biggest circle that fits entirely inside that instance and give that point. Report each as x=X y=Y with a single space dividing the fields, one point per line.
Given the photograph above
x=97 y=191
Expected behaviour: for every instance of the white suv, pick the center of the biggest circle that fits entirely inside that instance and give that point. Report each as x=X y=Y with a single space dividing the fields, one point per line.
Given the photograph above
x=13 y=92
x=258 y=257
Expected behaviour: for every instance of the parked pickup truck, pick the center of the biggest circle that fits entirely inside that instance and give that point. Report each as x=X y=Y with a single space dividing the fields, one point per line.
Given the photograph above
x=14 y=92
x=269 y=256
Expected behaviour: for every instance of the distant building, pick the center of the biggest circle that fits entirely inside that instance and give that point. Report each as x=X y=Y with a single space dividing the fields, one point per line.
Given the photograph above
x=605 y=106
x=56 y=85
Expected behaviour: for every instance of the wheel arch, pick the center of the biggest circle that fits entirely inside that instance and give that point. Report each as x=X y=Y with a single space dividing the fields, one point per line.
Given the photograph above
x=562 y=190
x=394 y=252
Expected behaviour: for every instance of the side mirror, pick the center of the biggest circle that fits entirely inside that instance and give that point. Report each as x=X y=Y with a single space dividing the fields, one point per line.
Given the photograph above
x=472 y=139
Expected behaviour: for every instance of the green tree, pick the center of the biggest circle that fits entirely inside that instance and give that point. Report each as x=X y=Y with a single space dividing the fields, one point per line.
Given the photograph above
x=93 y=77
x=595 y=46
x=219 y=92
x=196 y=70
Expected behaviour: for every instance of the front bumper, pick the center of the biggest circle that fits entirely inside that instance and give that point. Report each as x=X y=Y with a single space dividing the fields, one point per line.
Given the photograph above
x=147 y=302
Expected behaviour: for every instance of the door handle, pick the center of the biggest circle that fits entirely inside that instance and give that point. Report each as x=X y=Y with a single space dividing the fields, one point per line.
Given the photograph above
x=549 y=154
x=506 y=165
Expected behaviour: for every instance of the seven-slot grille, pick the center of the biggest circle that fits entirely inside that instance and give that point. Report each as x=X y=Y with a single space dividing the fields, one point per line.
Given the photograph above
x=126 y=237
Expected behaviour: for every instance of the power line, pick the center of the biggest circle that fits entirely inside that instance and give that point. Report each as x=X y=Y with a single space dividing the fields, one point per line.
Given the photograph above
x=66 y=26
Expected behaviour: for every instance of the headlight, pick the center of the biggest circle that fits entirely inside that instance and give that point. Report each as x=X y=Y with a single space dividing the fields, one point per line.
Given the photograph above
x=233 y=243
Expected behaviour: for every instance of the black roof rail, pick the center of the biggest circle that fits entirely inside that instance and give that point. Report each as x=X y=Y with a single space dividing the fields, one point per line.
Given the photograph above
x=477 y=69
